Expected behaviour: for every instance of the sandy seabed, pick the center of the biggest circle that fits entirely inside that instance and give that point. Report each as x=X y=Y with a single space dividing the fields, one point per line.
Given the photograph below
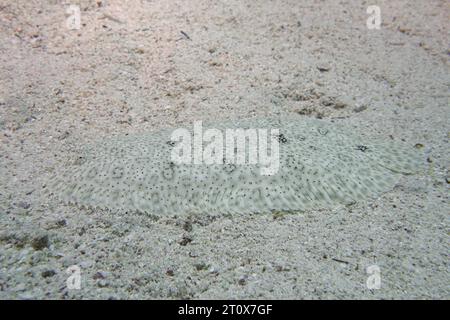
x=136 y=66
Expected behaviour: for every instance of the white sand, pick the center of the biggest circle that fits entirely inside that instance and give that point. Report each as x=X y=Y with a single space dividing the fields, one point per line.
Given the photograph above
x=130 y=69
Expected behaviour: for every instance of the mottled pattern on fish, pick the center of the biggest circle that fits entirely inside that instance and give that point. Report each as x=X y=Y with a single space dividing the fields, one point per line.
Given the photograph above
x=321 y=165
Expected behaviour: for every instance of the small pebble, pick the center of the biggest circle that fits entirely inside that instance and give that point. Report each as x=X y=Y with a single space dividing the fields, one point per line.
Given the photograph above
x=99 y=275
x=48 y=273
x=323 y=67
x=185 y=240
x=360 y=108
x=102 y=283
x=187 y=226
x=201 y=266
x=242 y=280
x=343 y=102
x=170 y=272
x=40 y=242
x=213 y=270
